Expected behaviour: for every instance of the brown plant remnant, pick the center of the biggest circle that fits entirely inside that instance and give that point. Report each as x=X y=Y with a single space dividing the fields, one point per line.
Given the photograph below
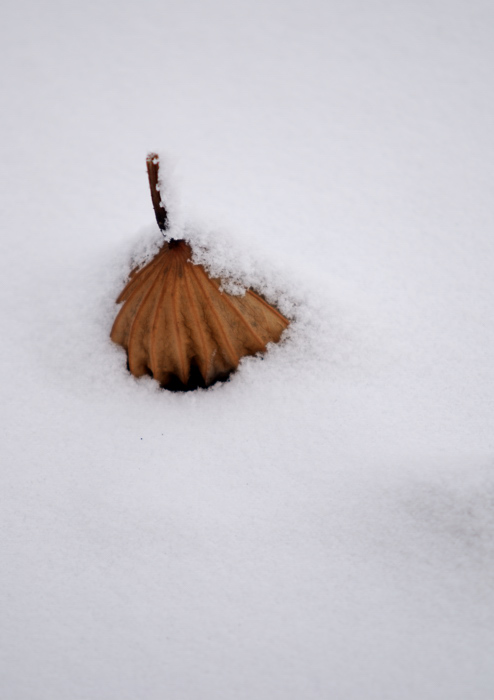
x=178 y=326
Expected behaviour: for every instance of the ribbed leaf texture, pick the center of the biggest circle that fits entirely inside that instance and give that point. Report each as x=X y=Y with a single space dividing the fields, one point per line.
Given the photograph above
x=177 y=325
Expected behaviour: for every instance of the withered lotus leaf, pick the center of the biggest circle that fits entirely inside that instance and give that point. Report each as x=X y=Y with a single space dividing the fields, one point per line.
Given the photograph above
x=178 y=325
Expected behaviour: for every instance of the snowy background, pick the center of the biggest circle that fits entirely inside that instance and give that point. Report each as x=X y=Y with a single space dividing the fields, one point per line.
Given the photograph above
x=322 y=526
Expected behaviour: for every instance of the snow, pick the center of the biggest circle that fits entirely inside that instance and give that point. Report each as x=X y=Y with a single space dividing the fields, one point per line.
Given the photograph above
x=323 y=524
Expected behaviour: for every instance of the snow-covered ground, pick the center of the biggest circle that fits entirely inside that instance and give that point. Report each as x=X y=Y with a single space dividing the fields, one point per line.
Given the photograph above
x=322 y=526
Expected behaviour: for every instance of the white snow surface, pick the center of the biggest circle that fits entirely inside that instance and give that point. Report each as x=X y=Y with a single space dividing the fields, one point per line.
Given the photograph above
x=321 y=526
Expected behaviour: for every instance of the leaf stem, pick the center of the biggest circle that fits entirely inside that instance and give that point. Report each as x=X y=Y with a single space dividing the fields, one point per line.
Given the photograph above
x=153 y=166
